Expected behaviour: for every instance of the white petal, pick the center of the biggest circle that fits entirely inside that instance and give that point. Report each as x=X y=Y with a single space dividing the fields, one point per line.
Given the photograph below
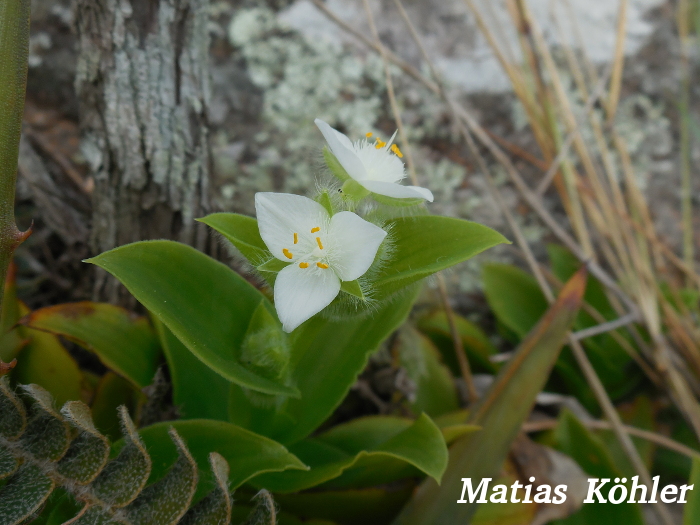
x=342 y=148
x=303 y=292
x=355 y=244
x=281 y=215
x=397 y=191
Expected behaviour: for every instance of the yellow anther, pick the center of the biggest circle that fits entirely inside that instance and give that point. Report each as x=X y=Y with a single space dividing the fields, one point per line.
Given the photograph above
x=318 y=241
x=287 y=253
x=368 y=134
x=380 y=144
x=303 y=265
x=396 y=151
x=296 y=238
x=322 y=266
x=316 y=229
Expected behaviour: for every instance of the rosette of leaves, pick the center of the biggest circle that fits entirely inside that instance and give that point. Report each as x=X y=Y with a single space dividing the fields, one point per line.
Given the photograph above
x=44 y=452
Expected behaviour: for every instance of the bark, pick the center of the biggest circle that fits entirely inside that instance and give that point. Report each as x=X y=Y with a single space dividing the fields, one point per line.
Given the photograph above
x=143 y=85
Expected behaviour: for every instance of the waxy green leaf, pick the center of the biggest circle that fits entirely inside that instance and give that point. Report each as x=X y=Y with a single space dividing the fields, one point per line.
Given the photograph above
x=204 y=303
x=501 y=413
x=124 y=342
x=365 y=452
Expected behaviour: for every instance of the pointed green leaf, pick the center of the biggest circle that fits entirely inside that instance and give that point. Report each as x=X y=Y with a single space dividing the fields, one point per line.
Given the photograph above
x=166 y=501
x=204 y=303
x=124 y=343
x=327 y=356
x=365 y=452
x=501 y=413
x=426 y=244
x=198 y=391
x=248 y=454
x=24 y=494
x=335 y=166
x=353 y=288
x=112 y=392
x=242 y=231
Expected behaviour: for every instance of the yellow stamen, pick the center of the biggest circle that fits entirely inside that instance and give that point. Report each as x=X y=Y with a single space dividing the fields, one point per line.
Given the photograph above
x=303 y=265
x=368 y=134
x=322 y=266
x=316 y=229
x=287 y=253
x=380 y=144
x=396 y=151
x=318 y=241
x=296 y=238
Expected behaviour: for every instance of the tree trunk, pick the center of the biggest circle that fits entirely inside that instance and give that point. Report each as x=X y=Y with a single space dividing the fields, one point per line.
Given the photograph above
x=143 y=86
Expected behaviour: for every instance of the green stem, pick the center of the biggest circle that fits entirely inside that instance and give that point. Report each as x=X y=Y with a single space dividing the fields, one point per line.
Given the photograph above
x=14 y=49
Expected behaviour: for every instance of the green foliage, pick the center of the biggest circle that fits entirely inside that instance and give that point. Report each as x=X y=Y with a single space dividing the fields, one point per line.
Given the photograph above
x=42 y=451
x=500 y=412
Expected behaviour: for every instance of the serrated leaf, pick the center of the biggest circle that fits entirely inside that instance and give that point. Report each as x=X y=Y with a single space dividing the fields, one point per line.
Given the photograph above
x=13 y=417
x=24 y=494
x=242 y=231
x=47 y=435
x=124 y=477
x=46 y=362
x=248 y=454
x=500 y=412
x=366 y=451
x=215 y=508
x=8 y=462
x=198 y=391
x=89 y=451
x=204 y=303
x=123 y=342
x=166 y=501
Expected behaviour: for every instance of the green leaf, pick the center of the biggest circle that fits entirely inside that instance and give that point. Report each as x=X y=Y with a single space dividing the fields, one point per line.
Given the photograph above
x=242 y=231
x=590 y=453
x=123 y=342
x=426 y=244
x=500 y=412
x=365 y=452
x=391 y=201
x=435 y=388
x=215 y=508
x=46 y=362
x=89 y=450
x=691 y=514
x=353 y=288
x=123 y=479
x=167 y=500
x=369 y=506
x=324 y=199
x=477 y=345
x=24 y=494
x=326 y=357
x=204 y=303
x=112 y=392
x=198 y=391
x=273 y=266
x=47 y=435
x=248 y=454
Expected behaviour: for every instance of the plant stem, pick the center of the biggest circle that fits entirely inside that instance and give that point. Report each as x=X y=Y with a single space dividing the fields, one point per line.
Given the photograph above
x=14 y=49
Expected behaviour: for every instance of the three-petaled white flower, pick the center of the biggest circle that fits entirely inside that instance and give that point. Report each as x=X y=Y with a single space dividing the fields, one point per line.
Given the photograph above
x=322 y=250
x=376 y=166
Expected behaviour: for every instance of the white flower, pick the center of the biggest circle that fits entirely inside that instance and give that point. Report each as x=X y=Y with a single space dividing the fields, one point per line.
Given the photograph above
x=376 y=166
x=322 y=250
